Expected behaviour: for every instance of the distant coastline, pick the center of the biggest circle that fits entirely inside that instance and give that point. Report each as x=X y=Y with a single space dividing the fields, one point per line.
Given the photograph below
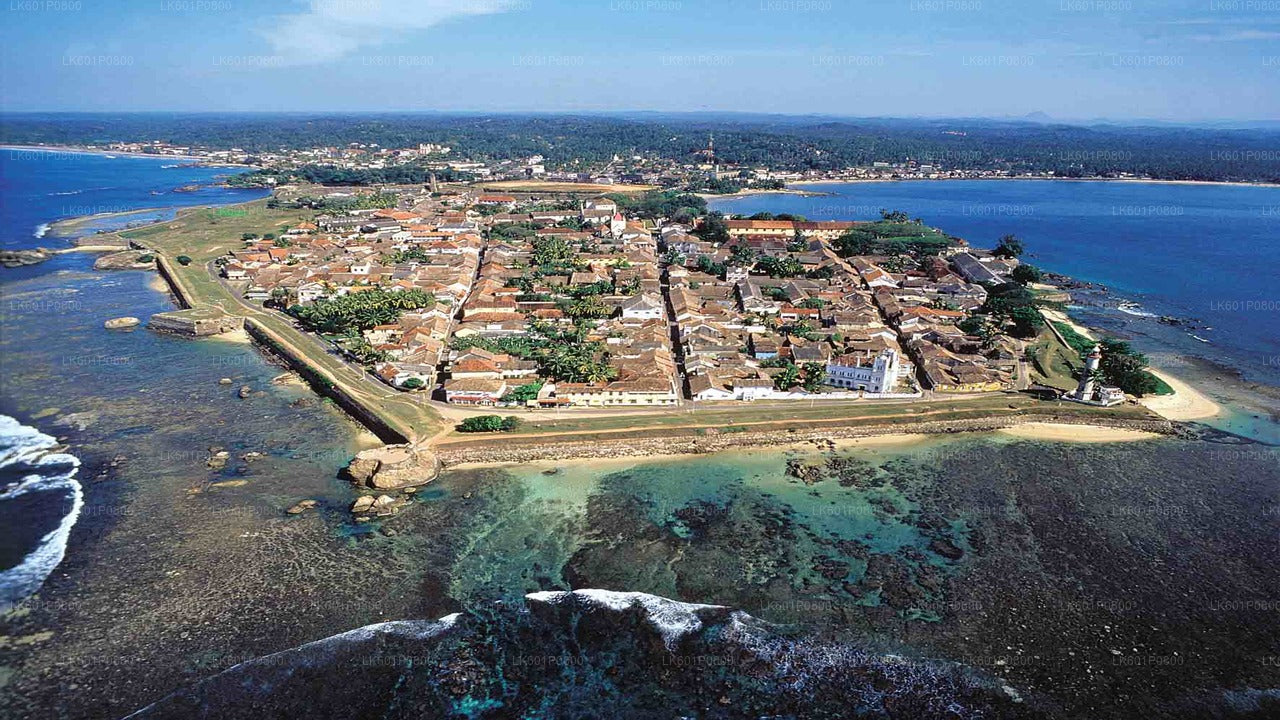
x=84 y=150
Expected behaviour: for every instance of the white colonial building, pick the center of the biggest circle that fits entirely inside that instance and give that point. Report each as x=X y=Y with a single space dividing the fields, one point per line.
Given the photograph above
x=858 y=372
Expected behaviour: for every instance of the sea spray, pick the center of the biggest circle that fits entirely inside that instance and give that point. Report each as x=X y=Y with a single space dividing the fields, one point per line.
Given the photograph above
x=31 y=473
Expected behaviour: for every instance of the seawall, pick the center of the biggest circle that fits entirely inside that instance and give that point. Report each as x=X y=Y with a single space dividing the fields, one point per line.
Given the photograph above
x=180 y=291
x=523 y=450
x=388 y=431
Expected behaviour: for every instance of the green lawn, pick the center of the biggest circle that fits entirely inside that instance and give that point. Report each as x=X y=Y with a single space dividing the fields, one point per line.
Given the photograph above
x=1054 y=363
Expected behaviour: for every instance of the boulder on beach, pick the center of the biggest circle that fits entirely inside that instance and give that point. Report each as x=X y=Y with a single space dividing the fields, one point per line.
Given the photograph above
x=394 y=467
x=121 y=322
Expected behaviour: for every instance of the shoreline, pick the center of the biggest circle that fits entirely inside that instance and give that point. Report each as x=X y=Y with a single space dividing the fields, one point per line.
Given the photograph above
x=72 y=224
x=756 y=191
x=1184 y=405
x=85 y=150
x=1040 y=426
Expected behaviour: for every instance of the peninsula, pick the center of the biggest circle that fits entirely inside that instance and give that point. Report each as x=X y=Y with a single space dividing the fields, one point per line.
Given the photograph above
x=482 y=327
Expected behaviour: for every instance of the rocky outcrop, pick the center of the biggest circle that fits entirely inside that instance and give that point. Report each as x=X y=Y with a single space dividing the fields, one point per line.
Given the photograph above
x=19 y=258
x=589 y=653
x=394 y=467
x=121 y=323
x=127 y=260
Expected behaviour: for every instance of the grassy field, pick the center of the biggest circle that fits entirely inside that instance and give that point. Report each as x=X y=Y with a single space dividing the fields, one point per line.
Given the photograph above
x=1054 y=364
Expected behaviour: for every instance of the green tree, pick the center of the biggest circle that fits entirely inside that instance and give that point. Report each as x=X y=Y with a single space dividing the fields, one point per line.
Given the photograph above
x=1027 y=321
x=786 y=379
x=488 y=423
x=550 y=249
x=1026 y=274
x=780 y=267
x=814 y=376
x=1010 y=247
x=713 y=228
x=523 y=393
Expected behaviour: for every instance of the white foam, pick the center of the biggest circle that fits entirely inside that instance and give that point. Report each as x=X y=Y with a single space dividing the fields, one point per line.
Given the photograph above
x=29 y=446
x=42 y=230
x=671 y=619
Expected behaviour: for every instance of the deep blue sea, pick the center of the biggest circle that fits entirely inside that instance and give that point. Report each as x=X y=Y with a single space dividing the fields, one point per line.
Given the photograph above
x=1205 y=253
x=48 y=309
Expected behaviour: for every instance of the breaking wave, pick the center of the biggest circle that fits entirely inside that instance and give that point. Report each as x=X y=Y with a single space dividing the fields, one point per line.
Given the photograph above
x=40 y=500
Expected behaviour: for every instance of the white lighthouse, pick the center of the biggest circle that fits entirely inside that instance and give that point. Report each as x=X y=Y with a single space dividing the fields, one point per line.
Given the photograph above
x=1084 y=391
x=1090 y=390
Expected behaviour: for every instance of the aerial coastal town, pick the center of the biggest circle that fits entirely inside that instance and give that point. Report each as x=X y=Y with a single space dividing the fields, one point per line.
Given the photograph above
x=705 y=171
x=521 y=300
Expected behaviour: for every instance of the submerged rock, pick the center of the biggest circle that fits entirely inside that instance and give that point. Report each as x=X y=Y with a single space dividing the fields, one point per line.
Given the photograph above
x=301 y=507
x=946 y=549
x=218 y=460
x=245 y=391
x=121 y=322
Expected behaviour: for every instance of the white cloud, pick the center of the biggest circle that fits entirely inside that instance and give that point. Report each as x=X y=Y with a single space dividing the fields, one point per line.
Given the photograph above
x=1241 y=36
x=326 y=30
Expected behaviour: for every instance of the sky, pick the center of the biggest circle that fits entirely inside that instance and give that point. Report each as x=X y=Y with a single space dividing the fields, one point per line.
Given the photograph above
x=1176 y=60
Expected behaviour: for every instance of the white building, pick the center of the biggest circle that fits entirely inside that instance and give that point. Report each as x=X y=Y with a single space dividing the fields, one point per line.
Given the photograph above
x=642 y=307
x=854 y=372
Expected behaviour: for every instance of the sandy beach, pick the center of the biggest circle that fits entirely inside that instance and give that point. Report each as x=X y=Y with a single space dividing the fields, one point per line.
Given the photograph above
x=96 y=151
x=1056 y=432
x=1186 y=403
x=1059 y=316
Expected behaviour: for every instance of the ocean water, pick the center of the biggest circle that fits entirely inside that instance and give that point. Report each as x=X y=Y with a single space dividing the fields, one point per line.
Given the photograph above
x=1206 y=253
x=40 y=500
x=40 y=496
x=1009 y=557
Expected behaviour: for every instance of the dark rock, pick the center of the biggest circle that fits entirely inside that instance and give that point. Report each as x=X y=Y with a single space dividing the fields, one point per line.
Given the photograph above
x=946 y=548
